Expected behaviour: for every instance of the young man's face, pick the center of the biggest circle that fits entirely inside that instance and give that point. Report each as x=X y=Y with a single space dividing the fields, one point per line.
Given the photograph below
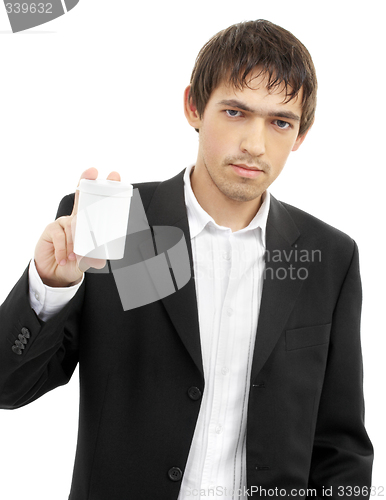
x=245 y=138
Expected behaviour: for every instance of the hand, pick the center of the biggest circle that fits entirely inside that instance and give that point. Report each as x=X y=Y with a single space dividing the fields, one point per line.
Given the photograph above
x=55 y=260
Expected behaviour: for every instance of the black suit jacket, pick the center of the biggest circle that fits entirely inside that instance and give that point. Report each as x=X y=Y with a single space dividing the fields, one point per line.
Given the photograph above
x=141 y=374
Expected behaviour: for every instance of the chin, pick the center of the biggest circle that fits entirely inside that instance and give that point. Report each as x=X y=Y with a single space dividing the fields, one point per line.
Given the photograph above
x=242 y=195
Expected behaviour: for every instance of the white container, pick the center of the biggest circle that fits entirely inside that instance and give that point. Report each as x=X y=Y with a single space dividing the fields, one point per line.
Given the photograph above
x=102 y=218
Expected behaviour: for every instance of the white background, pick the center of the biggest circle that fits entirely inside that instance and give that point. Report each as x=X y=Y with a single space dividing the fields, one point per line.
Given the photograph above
x=102 y=86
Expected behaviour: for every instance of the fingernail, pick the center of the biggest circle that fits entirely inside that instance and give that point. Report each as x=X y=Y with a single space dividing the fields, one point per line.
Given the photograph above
x=72 y=256
x=63 y=262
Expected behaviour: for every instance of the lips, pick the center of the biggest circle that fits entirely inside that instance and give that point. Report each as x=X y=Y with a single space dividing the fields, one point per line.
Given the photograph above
x=248 y=171
x=247 y=167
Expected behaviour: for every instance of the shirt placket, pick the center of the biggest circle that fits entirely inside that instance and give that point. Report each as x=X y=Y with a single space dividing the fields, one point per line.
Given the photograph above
x=223 y=269
x=234 y=348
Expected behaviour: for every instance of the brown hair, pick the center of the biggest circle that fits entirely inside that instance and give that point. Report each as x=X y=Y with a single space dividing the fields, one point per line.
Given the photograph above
x=233 y=53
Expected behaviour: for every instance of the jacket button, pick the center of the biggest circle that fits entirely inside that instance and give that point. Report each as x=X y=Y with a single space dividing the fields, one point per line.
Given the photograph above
x=26 y=332
x=194 y=393
x=22 y=339
x=175 y=474
x=16 y=349
x=19 y=344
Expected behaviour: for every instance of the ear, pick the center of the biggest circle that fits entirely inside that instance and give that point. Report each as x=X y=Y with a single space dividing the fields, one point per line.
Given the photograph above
x=190 y=110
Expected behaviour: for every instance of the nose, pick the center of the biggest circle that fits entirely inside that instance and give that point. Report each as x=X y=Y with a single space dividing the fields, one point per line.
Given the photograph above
x=253 y=138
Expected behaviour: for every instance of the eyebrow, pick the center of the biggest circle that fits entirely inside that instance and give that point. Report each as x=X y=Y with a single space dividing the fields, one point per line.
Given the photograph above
x=235 y=103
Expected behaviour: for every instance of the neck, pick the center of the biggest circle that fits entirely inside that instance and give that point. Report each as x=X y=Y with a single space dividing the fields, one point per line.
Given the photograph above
x=225 y=211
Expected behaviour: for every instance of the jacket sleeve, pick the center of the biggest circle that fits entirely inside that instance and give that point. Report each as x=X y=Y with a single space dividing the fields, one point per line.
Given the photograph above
x=36 y=356
x=342 y=453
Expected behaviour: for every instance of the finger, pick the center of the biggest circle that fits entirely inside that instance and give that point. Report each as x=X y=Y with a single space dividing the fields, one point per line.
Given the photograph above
x=58 y=237
x=114 y=176
x=84 y=263
x=90 y=173
x=67 y=223
x=69 y=228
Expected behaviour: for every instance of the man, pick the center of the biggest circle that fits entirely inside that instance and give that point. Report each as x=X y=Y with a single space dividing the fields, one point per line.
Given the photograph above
x=247 y=381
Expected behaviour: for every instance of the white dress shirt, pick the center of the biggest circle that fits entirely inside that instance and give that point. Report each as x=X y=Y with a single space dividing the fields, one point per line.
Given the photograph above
x=228 y=269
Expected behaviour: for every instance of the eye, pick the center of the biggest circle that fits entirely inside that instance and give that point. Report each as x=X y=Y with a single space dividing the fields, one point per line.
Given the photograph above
x=282 y=124
x=233 y=113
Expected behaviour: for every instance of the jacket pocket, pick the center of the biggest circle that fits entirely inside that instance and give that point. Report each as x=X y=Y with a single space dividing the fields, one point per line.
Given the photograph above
x=309 y=336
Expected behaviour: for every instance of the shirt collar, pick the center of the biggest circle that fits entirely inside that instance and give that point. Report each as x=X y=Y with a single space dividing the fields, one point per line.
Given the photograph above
x=199 y=219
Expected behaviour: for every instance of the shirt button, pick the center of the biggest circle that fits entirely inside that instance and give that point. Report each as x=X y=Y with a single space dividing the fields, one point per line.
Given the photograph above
x=36 y=296
x=226 y=256
x=175 y=474
x=224 y=370
x=218 y=429
x=229 y=311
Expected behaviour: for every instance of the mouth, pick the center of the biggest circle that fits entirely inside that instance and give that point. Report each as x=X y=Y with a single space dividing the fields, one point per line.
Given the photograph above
x=246 y=170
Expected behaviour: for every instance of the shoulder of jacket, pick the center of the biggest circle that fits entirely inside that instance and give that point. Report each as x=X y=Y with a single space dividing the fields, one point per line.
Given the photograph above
x=320 y=231
x=146 y=190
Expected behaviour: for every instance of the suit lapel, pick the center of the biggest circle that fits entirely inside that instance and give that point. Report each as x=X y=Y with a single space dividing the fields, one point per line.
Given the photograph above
x=167 y=208
x=281 y=282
